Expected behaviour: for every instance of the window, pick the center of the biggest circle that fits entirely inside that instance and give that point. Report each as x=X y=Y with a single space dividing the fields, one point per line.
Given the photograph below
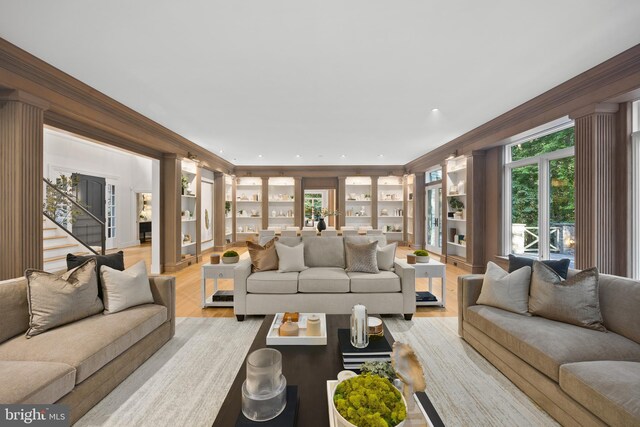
x=434 y=175
x=540 y=195
x=111 y=211
x=635 y=186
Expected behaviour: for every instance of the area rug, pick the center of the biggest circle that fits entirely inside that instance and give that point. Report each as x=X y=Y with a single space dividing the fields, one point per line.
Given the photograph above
x=185 y=382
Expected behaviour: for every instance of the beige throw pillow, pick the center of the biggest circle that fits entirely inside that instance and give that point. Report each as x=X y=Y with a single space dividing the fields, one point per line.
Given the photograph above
x=263 y=258
x=57 y=300
x=508 y=291
x=125 y=289
x=575 y=300
x=290 y=258
x=362 y=258
x=386 y=256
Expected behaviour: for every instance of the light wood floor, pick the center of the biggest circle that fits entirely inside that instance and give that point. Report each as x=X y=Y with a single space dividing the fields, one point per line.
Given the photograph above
x=188 y=300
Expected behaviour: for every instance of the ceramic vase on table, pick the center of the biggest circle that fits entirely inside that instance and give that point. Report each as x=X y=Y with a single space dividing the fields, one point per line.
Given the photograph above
x=321 y=225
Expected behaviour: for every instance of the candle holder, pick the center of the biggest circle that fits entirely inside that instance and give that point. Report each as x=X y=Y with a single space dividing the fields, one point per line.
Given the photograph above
x=264 y=392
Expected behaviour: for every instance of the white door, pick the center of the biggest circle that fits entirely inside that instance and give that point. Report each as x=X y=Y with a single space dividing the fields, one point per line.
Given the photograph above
x=433 y=223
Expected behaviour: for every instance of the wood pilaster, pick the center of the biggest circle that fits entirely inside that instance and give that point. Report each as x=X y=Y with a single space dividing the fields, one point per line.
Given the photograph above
x=597 y=208
x=265 y=203
x=298 y=206
x=21 y=187
x=170 y=238
x=476 y=211
x=342 y=203
x=374 y=202
x=219 y=228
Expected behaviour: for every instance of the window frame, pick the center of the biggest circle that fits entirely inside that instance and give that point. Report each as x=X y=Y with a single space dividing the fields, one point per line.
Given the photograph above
x=542 y=161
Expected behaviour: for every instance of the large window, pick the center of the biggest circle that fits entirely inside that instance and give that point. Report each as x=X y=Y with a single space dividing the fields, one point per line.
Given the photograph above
x=540 y=195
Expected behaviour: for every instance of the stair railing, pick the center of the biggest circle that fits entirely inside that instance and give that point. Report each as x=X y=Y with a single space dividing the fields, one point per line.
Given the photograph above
x=62 y=202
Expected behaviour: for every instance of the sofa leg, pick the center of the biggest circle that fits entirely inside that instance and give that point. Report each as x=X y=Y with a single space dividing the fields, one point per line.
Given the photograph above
x=408 y=316
x=240 y=317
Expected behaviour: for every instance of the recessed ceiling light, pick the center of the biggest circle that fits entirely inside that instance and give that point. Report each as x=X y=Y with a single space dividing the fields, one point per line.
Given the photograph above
x=320 y=155
x=380 y=155
x=234 y=159
x=435 y=110
x=298 y=155
x=343 y=156
x=221 y=151
x=259 y=155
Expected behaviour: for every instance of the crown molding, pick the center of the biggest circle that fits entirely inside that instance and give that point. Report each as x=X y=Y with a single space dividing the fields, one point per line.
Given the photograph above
x=319 y=171
x=613 y=78
x=77 y=107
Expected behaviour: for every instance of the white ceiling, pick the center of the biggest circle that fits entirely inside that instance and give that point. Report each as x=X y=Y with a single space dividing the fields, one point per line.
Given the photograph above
x=322 y=78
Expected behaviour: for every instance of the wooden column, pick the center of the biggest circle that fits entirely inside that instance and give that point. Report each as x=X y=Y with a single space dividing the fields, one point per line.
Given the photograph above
x=342 y=204
x=298 y=206
x=597 y=209
x=170 y=238
x=419 y=216
x=219 y=228
x=374 y=202
x=265 y=203
x=21 y=154
x=475 y=188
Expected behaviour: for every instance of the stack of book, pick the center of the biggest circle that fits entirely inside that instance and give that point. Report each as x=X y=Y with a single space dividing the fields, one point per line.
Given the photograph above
x=378 y=350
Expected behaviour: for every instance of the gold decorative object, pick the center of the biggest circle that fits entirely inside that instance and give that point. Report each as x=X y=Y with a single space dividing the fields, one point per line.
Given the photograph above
x=408 y=368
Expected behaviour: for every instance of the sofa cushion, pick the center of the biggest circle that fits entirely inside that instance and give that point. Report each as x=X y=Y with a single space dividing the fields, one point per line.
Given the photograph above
x=362 y=258
x=546 y=344
x=115 y=261
x=35 y=382
x=608 y=389
x=323 y=252
x=272 y=282
x=385 y=281
x=263 y=256
x=508 y=291
x=323 y=279
x=14 y=308
x=125 y=289
x=619 y=302
x=90 y=343
x=560 y=266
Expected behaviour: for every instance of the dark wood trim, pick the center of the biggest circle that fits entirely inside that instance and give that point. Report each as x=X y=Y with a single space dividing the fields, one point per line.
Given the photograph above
x=75 y=106
x=612 y=78
x=319 y=171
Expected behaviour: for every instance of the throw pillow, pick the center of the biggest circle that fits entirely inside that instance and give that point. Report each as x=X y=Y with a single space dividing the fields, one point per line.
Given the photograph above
x=125 y=289
x=575 y=300
x=508 y=291
x=263 y=258
x=57 y=300
x=115 y=261
x=290 y=258
x=560 y=266
x=386 y=256
x=362 y=258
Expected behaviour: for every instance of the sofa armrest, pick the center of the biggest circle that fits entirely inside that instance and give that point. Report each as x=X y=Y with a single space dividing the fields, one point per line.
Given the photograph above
x=469 y=287
x=407 y=276
x=240 y=275
x=163 y=289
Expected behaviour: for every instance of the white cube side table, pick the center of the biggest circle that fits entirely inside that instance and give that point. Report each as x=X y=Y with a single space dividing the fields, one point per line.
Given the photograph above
x=215 y=272
x=430 y=270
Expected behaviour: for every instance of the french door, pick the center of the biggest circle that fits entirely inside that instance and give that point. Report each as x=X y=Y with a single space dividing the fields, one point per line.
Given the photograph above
x=433 y=224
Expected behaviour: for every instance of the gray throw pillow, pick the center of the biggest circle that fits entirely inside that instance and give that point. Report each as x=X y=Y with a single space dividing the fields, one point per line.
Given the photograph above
x=508 y=291
x=290 y=258
x=575 y=300
x=57 y=300
x=362 y=258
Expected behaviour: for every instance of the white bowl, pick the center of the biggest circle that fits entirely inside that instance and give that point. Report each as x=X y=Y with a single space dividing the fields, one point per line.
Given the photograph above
x=342 y=422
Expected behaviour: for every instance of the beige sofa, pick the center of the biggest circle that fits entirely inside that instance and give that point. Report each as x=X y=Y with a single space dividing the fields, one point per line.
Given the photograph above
x=325 y=286
x=78 y=364
x=581 y=377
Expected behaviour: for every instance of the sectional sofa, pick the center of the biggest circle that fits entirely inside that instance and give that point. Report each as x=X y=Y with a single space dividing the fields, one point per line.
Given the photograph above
x=79 y=363
x=325 y=286
x=580 y=376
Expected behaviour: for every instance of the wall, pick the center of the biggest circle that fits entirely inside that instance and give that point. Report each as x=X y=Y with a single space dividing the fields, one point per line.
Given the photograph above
x=65 y=153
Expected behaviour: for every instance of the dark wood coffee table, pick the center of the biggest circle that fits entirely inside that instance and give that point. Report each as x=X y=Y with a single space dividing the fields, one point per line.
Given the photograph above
x=309 y=367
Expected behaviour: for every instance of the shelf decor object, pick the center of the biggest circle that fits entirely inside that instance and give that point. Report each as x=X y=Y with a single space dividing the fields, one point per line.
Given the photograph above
x=303 y=337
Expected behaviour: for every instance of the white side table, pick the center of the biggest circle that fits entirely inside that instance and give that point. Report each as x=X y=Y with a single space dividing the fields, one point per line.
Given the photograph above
x=430 y=270
x=215 y=272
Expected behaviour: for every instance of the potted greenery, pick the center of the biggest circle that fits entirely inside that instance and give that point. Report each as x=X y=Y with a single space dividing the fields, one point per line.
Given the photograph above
x=456 y=206
x=421 y=255
x=230 y=257
x=184 y=182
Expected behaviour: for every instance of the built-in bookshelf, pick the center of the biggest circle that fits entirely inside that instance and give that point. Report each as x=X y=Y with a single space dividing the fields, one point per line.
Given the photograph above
x=391 y=207
x=358 y=205
x=229 y=208
x=456 y=204
x=248 y=208
x=281 y=202
x=410 y=180
x=188 y=209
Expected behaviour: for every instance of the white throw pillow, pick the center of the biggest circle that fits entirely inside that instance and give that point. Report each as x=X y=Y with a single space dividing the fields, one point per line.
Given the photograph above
x=386 y=256
x=290 y=258
x=124 y=289
x=508 y=291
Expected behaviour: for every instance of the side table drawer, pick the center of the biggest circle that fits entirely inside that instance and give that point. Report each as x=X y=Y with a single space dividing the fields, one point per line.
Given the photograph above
x=226 y=273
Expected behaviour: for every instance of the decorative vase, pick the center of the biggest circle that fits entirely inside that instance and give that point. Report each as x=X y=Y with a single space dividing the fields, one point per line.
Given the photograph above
x=321 y=225
x=422 y=259
x=230 y=259
x=411 y=259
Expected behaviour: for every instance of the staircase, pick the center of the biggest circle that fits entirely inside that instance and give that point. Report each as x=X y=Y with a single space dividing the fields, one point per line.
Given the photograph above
x=57 y=244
